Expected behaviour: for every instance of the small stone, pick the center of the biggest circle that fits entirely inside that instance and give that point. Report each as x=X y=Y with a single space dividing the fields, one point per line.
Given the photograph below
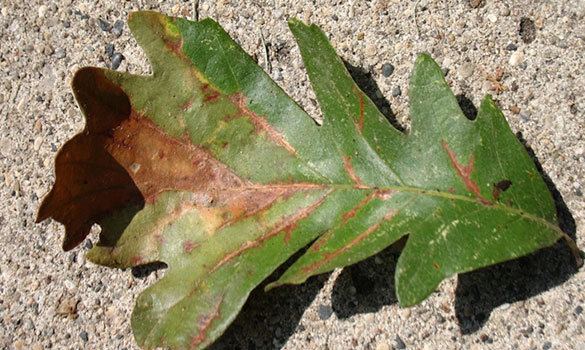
x=68 y=307
x=492 y=17
x=382 y=346
x=527 y=30
x=466 y=70
x=104 y=26
x=117 y=60
x=88 y=244
x=578 y=310
x=526 y=332
x=405 y=313
x=539 y=23
x=515 y=109
x=109 y=50
x=15 y=187
x=547 y=345
x=38 y=126
x=324 y=311
x=396 y=91
x=505 y=306
x=59 y=53
x=84 y=336
x=118 y=28
x=42 y=11
x=360 y=36
x=517 y=58
x=37 y=143
x=475 y=3
x=511 y=47
x=370 y=50
x=48 y=50
x=486 y=338
x=399 y=343
x=505 y=12
x=387 y=69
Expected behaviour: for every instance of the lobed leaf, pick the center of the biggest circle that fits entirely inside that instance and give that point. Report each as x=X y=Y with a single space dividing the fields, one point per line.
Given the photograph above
x=208 y=166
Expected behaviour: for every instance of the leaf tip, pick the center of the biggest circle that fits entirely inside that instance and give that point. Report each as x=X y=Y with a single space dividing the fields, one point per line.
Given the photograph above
x=425 y=62
x=295 y=23
x=424 y=57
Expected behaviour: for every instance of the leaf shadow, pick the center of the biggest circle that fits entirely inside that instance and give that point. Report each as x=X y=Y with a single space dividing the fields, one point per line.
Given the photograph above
x=367 y=286
x=268 y=319
x=367 y=84
x=479 y=292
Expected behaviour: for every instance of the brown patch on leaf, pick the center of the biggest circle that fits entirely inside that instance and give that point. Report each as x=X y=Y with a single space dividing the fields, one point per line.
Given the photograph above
x=327 y=257
x=381 y=194
x=187 y=105
x=166 y=163
x=351 y=213
x=137 y=260
x=288 y=223
x=188 y=246
x=209 y=93
x=260 y=123
x=464 y=173
x=361 y=113
x=204 y=322
x=348 y=166
x=123 y=160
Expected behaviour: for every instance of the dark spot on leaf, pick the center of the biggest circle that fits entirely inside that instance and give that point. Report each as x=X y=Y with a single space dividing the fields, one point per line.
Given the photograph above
x=500 y=187
x=188 y=246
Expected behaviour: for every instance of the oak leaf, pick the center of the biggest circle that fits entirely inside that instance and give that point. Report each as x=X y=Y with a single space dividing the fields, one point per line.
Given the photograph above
x=208 y=166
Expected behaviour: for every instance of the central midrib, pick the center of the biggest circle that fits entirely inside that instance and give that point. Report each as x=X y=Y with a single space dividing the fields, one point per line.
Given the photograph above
x=408 y=189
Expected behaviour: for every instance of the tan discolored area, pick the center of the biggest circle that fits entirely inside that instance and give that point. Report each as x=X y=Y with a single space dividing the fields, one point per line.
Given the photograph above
x=158 y=163
x=123 y=159
x=464 y=173
x=260 y=123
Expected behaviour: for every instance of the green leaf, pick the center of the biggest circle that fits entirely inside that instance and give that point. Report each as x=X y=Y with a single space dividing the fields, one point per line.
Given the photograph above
x=208 y=166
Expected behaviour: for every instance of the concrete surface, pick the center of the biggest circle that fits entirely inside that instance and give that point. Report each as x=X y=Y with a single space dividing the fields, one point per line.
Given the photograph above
x=51 y=299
